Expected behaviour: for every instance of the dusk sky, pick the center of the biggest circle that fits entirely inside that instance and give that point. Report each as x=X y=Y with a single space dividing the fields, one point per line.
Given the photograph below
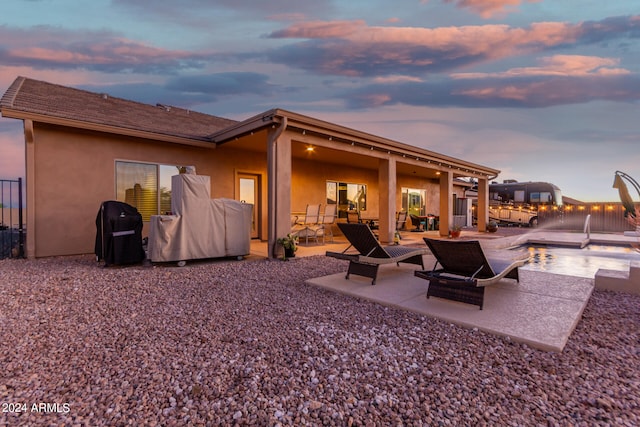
x=544 y=90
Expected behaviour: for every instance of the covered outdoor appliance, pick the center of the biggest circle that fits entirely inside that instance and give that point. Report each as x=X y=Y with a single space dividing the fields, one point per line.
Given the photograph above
x=118 y=234
x=199 y=227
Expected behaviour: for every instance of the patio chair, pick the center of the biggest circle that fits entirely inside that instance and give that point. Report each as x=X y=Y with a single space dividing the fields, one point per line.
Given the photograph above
x=324 y=226
x=417 y=223
x=401 y=220
x=466 y=271
x=311 y=219
x=370 y=254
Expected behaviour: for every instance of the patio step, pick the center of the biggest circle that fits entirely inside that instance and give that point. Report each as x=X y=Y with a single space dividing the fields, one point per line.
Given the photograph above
x=621 y=281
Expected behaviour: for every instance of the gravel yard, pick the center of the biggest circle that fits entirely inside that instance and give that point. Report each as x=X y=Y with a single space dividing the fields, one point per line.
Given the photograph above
x=248 y=343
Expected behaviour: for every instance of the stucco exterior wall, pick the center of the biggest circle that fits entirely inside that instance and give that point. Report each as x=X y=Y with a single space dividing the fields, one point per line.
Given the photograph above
x=432 y=191
x=309 y=184
x=309 y=178
x=76 y=172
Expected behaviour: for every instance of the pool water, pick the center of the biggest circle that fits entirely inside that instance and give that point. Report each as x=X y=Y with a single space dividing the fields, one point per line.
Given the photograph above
x=578 y=262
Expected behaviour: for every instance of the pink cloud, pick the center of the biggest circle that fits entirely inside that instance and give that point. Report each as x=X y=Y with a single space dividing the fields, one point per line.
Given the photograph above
x=320 y=29
x=488 y=40
x=543 y=92
x=489 y=8
x=354 y=48
x=47 y=47
x=558 y=65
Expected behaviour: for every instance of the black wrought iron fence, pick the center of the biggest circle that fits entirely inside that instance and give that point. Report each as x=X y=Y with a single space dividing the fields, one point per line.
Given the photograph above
x=11 y=220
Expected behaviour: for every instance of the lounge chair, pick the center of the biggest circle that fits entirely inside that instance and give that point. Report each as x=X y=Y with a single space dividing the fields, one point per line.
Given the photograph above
x=465 y=271
x=370 y=254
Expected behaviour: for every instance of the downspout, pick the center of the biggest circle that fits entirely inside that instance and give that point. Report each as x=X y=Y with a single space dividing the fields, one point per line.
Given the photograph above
x=273 y=186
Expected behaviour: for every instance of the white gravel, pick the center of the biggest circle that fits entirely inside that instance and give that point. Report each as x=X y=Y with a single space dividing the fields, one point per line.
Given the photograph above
x=248 y=343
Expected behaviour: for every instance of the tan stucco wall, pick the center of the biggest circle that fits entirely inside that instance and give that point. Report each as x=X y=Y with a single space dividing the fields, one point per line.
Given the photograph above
x=75 y=173
x=309 y=180
x=432 y=189
x=309 y=184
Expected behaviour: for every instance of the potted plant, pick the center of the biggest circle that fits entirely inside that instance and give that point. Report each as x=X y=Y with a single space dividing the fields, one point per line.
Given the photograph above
x=454 y=231
x=492 y=226
x=290 y=245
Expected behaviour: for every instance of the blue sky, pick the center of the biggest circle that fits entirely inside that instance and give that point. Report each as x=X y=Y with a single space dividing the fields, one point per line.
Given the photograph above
x=543 y=90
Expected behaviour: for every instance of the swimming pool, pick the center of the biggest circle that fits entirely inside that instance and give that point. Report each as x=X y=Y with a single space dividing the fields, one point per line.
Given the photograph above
x=578 y=262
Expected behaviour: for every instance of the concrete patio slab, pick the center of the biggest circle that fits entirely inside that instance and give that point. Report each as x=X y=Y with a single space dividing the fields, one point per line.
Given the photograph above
x=541 y=311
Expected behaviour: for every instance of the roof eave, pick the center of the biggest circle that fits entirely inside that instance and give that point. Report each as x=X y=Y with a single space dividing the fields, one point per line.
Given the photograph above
x=252 y=124
x=59 y=121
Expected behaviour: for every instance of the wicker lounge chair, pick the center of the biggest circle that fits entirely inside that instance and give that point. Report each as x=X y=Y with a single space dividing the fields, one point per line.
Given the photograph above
x=371 y=254
x=465 y=270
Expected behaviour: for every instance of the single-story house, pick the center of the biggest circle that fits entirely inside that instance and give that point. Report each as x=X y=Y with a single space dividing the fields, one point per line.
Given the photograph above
x=83 y=148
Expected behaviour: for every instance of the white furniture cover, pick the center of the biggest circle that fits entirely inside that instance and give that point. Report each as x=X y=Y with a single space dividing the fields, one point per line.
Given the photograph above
x=200 y=227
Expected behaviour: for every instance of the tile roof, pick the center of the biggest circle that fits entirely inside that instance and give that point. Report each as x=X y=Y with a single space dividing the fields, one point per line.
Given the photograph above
x=62 y=102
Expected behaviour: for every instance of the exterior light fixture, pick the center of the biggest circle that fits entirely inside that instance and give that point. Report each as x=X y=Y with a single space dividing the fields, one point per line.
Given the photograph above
x=310 y=149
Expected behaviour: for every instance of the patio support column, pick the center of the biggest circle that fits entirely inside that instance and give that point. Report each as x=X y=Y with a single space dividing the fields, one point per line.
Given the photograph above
x=483 y=204
x=446 y=202
x=279 y=187
x=387 y=198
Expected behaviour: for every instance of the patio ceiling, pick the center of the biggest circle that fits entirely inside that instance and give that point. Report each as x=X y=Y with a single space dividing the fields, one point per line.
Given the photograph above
x=327 y=155
x=336 y=144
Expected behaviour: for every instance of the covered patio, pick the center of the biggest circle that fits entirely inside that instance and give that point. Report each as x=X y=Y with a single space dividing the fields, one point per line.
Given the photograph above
x=304 y=153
